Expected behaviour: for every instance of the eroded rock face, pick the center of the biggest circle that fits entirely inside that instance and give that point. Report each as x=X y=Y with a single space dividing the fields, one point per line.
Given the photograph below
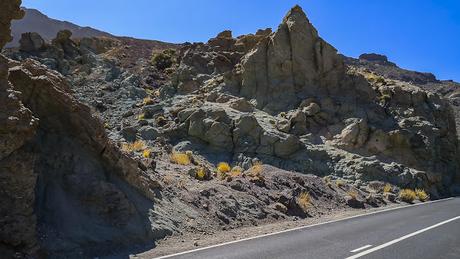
x=57 y=163
x=305 y=111
x=77 y=173
x=31 y=42
x=17 y=179
x=290 y=65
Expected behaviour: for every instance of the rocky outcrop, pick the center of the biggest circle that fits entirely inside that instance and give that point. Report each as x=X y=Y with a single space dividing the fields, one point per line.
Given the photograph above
x=31 y=42
x=305 y=111
x=17 y=179
x=57 y=164
x=290 y=65
x=78 y=170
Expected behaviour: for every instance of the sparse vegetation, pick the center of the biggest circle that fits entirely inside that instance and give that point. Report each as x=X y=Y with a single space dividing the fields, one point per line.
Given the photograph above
x=353 y=194
x=163 y=60
x=373 y=78
x=147 y=153
x=180 y=158
x=236 y=171
x=136 y=146
x=200 y=173
x=327 y=180
x=147 y=101
x=255 y=172
x=339 y=183
x=387 y=188
x=407 y=195
x=223 y=167
x=304 y=201
x=422 y=195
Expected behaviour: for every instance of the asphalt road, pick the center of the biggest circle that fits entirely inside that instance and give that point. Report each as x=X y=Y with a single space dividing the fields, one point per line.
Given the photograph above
x=429 y=230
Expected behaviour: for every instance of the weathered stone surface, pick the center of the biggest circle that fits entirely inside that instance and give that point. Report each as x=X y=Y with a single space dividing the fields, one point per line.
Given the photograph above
x=313 y=66
x=31 y=42
x=17 y=178
x=311 y=114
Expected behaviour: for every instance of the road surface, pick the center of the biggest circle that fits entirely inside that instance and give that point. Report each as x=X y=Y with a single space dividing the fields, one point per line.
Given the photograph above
x=430 y=230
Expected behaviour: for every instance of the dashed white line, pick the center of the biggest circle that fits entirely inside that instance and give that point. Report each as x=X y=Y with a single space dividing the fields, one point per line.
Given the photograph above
x=401 y=238
x=360 y=249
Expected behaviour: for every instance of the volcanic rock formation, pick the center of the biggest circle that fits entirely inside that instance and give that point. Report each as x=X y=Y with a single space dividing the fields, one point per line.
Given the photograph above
x=311 y=113
x=73 y=184
x=57 y=165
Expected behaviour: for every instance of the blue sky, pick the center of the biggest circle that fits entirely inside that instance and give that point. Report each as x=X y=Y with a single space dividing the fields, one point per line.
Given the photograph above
x=422 y=35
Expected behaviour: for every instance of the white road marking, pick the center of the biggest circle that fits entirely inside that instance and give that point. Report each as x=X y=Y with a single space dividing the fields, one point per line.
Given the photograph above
x=298 y=228
x=400 y=239
x=359 y=249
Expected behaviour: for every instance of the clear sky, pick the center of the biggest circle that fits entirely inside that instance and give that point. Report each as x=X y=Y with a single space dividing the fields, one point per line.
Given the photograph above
x=422 y=35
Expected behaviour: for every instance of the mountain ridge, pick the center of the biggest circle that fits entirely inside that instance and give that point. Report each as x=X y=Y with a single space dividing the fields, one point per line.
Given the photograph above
x=36 y=21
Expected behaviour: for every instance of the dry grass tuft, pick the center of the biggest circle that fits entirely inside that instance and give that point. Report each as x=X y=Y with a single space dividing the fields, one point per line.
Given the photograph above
x=200 y=173
x=147 y=101
x=304 y=201
x=387 y=188
x=327 y=180
x=223 y=167
x=257 y=168
x=147 y=153
x=236 y=171
x=256 y=173
x=407 y=195
x=339 y=183
x=180 y=158
x=422 y=195
x=141 y=116
x=136 y=146
x=353 y=194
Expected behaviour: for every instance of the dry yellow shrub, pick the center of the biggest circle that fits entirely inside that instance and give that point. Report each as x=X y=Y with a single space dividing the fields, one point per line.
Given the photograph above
x=200 y=173
x=407 y=195
x=180 y=158
x=422 y=195
x=387 y=188
x=147 y=101
x=236 y=171
x=304 y=201
x=223 y=167
x=353 y=194
x=136 y=146
x=340 y=183
x=147 y=153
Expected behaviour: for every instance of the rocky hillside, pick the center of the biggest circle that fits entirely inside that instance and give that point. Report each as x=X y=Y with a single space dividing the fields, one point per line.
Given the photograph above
x=375 y=65
x=111 y=144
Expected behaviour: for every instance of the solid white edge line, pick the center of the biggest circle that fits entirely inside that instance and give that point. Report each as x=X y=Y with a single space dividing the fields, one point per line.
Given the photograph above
x=401 y=239
x=359 y=249
x=302 y=227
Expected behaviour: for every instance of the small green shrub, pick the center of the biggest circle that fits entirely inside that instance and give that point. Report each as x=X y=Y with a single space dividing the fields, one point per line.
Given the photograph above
x=163 y=60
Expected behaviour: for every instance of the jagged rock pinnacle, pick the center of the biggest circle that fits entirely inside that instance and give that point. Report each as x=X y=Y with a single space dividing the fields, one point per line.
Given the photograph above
x=292 y=64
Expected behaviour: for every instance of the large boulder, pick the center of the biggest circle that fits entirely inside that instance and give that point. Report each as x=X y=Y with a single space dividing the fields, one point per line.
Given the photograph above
x=31 y=42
